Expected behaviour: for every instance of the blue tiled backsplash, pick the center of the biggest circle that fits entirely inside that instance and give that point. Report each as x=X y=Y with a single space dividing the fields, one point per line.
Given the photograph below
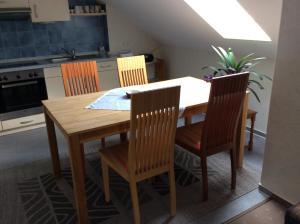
x=20 y=39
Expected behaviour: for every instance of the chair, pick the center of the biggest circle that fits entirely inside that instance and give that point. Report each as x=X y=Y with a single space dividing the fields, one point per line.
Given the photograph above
x=251 y=114
x=218 y=131
x=81 y=78
x=132 y=71
x=292 y=215
x=150 y=150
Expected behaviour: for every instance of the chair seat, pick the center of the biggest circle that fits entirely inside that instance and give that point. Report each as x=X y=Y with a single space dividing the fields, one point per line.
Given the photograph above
x=116 y=156
x=189 y=137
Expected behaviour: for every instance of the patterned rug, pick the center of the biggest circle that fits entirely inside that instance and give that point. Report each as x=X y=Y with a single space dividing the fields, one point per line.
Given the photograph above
x=47 y=200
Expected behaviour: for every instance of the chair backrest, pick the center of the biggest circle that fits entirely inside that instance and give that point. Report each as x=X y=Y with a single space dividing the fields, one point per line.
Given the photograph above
x=223 y=111
x=80 y=78
x=132 y=71
x=153 y=124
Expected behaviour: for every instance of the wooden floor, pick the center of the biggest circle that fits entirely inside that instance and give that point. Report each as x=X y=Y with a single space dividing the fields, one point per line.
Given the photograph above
x=270 y=212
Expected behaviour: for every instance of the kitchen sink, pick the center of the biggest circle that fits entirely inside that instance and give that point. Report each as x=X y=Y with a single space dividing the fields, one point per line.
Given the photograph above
x=79 y=57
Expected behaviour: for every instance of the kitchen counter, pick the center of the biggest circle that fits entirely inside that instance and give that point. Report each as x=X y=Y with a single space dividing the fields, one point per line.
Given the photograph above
x=46 y=63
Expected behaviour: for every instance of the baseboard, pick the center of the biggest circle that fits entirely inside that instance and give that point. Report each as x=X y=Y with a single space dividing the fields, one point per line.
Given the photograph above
x=274 y=196
x=257 y=132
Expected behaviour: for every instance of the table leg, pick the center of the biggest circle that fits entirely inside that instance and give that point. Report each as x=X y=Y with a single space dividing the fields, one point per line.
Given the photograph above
x=53 y=145
x=78 y=178
x=187 y=120
x=241 y=142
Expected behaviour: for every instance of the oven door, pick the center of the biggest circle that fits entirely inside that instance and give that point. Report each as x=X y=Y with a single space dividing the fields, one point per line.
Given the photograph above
x=22 y=94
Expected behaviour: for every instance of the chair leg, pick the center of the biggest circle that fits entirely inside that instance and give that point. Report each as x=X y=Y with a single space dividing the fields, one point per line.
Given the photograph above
x=103 y=143
x=204 y=177
x=82 y=155
x=250 y=145
x=105 y=176
x=135 y=202
x=233 y=168
x=123 y=137
x=172 y=192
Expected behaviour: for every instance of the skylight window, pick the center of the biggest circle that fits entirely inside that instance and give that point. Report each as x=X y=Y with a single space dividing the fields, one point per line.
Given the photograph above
x=229 y=19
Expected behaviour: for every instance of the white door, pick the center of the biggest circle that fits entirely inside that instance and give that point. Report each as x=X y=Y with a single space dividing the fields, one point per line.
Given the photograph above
x=14 y=4
x=49 y=10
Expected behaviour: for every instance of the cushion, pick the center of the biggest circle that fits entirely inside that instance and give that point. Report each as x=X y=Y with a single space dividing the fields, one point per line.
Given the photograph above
x=189 y=137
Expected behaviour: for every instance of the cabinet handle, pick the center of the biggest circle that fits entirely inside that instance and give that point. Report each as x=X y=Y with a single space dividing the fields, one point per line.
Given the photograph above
x=36 y=15
x=26 y=122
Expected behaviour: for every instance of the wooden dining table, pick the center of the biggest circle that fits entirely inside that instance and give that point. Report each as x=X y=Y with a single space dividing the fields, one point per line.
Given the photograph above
x=80 y=125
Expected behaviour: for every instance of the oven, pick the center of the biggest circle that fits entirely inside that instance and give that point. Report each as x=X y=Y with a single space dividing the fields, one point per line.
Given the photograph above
x=22 y=90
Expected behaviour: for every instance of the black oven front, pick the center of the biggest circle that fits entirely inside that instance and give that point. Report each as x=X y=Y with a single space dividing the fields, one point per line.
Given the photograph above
x=22 y=90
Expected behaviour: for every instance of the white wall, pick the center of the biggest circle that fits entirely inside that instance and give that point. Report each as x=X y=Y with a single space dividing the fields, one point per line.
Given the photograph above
x=281 y=170
x=123 y=35
x=130 y=22
x=186 y=61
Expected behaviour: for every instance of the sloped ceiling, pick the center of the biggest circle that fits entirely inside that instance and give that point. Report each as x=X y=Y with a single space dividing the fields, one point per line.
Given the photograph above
x=174 y=23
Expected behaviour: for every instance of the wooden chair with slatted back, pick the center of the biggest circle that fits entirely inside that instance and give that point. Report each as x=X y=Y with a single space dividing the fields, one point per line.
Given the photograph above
x=81 y=78
x=150 y=151
x=218 y=131
x=132 y=71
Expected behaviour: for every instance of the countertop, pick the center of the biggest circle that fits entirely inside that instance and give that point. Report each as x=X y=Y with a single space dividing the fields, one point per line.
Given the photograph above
x=46 y=63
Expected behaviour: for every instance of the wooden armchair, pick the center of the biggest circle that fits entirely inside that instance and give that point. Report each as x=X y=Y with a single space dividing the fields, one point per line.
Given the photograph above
x=81 y=78
x=150 y=150
x=218 y=131
x=132 y=71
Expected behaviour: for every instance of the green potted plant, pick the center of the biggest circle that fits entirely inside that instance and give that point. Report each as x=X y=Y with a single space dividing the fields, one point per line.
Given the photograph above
x=230 y=64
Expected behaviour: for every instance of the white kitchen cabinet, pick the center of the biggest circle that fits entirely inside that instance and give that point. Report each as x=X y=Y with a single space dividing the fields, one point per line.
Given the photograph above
x=1 y=128
x=109 y=80
x=14 y=4
x=108 y=75
x=54 y=82
x=49 y=10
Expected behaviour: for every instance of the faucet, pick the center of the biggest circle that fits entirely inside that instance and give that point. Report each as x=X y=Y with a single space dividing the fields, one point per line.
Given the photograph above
x=71 y=53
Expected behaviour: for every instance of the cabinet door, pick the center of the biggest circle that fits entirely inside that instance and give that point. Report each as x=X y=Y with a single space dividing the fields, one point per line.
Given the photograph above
x=108 y=75
x=109 y=79
x=14 y=4
x=49 y=10
x=55 y=87
x=54 y=83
